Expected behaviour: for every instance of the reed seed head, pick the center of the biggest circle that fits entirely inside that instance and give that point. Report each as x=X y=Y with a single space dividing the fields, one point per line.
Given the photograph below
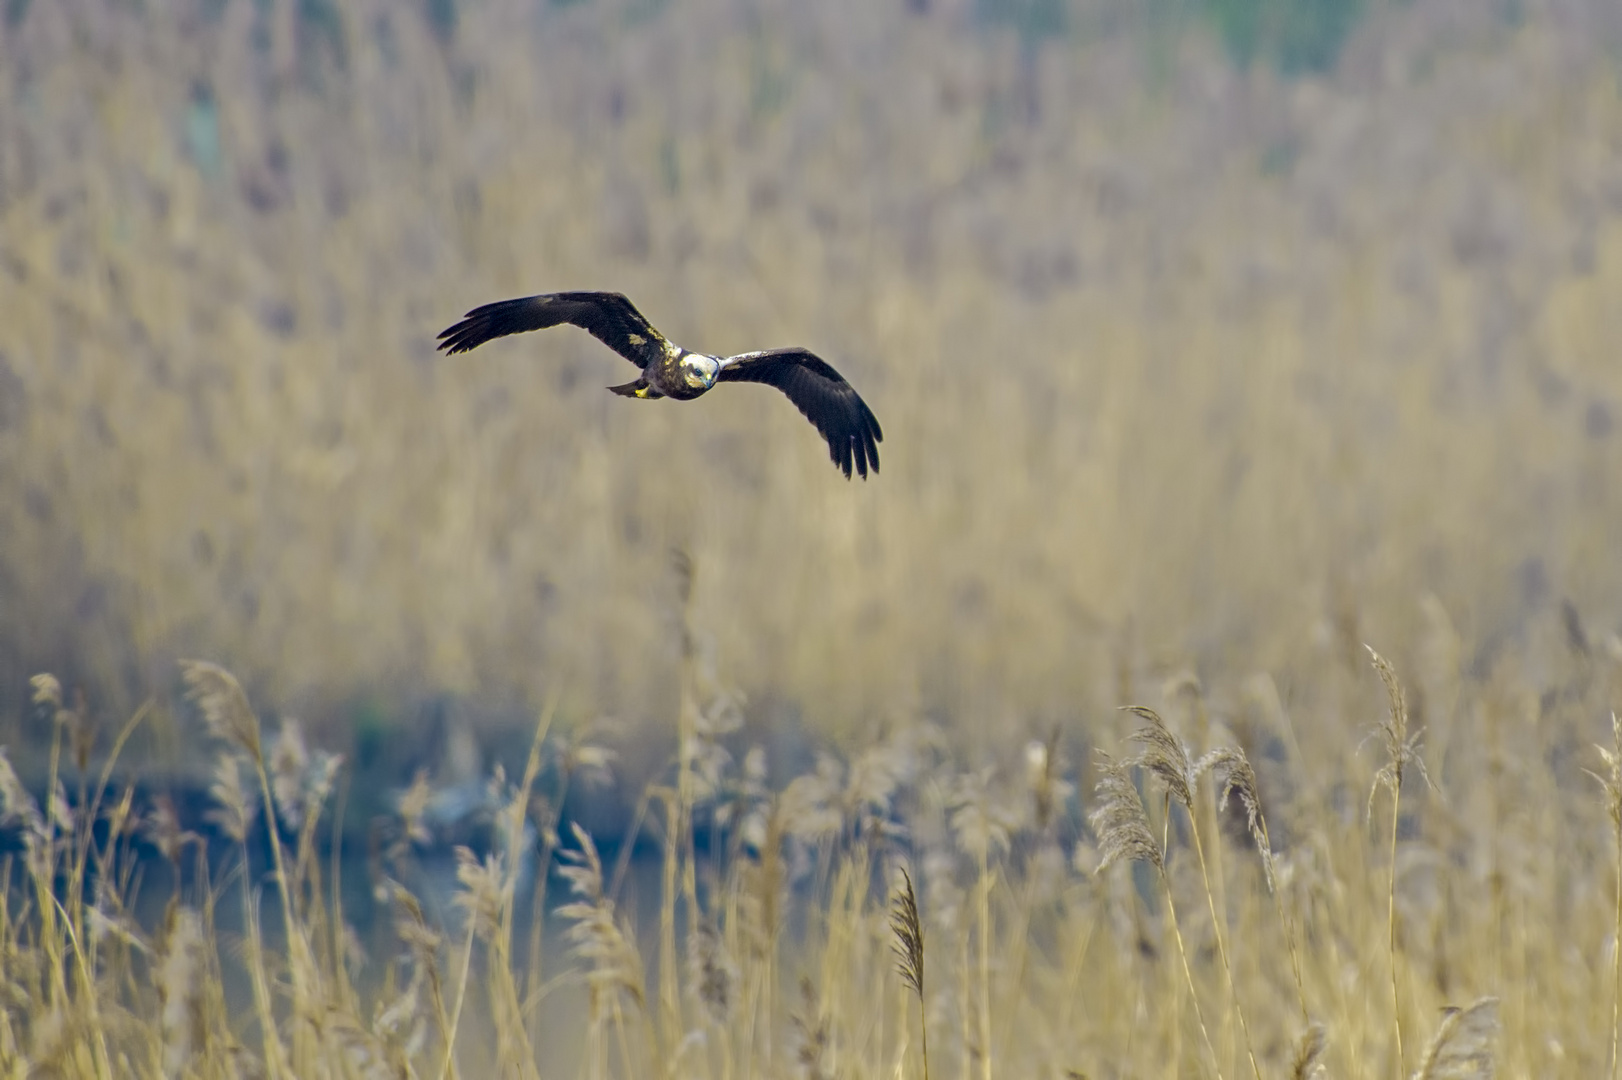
x=482 y=882
x=47 y=691
x=909 y=934
x=811 y=1028
x=1164 y=755
x=1465 y=1044
x=233 y=810
x=411 y=927
x=712 y=973
x=982 y=823
x=289 y=759
x=224 y=704
x=1611 y=779
x=1309 y=1047
x=413 y=807
x=597 y=936
x=1238 y=778
x=1401 y=745
x=16 y=804
x=179 y=978
x=1119 y=820
x=1044 y=776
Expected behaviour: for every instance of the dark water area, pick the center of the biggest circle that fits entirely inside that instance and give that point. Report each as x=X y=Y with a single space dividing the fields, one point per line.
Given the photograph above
x=350 y=882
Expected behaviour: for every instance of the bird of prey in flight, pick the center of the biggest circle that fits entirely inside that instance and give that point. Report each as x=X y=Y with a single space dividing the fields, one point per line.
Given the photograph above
x=668 y=370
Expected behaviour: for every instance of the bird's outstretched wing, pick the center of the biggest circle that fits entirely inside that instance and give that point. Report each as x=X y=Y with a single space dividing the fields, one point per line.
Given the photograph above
x=609 y=317
x=823 y=395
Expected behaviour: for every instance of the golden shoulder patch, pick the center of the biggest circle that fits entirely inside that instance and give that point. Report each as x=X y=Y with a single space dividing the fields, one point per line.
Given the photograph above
x=636 y=339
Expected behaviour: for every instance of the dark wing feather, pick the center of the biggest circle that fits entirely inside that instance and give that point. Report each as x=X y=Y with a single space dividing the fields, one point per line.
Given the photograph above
x=823 y=395
x=609 y=317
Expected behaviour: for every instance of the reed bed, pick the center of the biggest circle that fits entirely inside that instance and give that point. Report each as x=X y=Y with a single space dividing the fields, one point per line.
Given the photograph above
x=890 y=913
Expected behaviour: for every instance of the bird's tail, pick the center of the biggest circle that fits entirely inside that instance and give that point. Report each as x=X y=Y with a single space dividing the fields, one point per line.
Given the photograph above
x=636 y=388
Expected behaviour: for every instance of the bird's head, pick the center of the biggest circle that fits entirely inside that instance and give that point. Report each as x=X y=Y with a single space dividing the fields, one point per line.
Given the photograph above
x=700 y=371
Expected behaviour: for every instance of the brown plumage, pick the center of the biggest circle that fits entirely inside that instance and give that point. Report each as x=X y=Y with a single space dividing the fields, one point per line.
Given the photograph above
x=668 y=370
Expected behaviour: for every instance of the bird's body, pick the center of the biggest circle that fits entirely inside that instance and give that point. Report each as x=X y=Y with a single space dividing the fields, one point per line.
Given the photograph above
x=668 y=370
x=677 y=373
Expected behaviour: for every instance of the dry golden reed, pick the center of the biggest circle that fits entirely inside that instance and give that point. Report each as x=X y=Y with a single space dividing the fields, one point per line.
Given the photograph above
x=180 y=986
x=1309 y=1047
x=1165 y=756
x=1123 y=830
x=908 y=948
x=224 y=705
x=1119 y=819
x=1238 y=778
x=1401 y=751
x=597 y=935
x=1464 y=1046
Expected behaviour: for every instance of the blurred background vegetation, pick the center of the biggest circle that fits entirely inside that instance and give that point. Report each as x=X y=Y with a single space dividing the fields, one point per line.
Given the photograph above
x=1218 y=335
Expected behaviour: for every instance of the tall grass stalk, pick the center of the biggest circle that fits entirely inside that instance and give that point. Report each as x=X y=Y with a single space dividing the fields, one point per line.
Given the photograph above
x=982 y=891
x=1166 y=757
x=1222 y=947
x=225 y=707
x=517 y=1051
x=678 y=864
x=908 y=929
x=1239 y=779
x=1463 y=1046
x=1123 y=832
x=1402 y=749
x=1182 y=947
